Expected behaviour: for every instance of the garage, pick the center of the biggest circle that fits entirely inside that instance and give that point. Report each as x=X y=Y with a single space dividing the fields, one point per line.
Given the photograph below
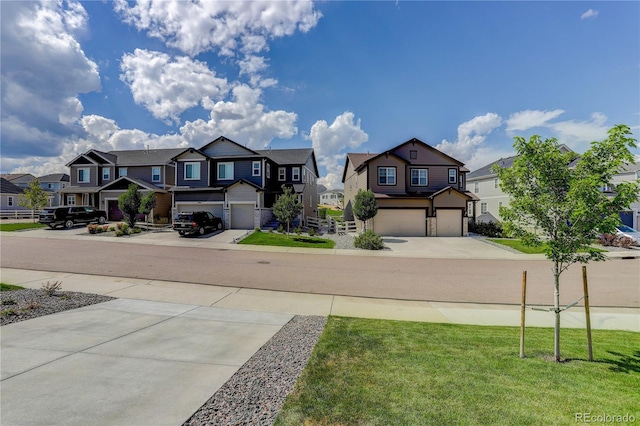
x=401 y=222
x=216 y=209
x=242 y=216
x=448 y=223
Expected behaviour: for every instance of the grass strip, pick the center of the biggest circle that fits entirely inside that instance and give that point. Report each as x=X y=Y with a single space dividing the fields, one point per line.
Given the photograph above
x=10 y=227
x=9 y=287
x=520 y=246
x=375 y=372
x=292 y=240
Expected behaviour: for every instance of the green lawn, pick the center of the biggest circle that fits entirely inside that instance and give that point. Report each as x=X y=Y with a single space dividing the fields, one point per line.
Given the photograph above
x=281 y=240
x=519 y=245
x=9 y=287
x=374 y=372
x=8 y=227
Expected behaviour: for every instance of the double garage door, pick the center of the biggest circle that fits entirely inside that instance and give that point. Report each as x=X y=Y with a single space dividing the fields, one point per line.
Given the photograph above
x=413 y=223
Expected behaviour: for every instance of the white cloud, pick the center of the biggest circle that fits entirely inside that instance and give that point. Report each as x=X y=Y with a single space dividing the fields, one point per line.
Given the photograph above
x=169 y=87
x=590 y=14
x=471 y=135
x=225 y=26
x=44 y=69
x=331 y=142
x=244 y=119
x=528 y=119
x=578 y=134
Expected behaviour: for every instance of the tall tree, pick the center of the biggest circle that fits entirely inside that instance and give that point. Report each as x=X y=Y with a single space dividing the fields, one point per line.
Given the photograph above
x=365 y=206
x=129 y=203
x=557 y=198
x=287 y=207
x=33 y=198
x=147 y=203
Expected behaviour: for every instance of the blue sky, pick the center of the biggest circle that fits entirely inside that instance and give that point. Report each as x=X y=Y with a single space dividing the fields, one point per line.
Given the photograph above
x=464 y=77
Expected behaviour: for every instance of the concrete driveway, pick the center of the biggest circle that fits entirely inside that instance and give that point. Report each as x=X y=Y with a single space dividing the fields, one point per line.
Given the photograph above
x=447 y=248
x=125 y=362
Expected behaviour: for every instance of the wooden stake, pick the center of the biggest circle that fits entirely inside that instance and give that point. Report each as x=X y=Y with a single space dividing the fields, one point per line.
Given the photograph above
x=522 y=308
x=586 y=311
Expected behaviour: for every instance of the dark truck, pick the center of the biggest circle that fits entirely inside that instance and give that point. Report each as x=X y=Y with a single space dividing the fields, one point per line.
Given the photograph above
x=70 y=215
x=192 y=223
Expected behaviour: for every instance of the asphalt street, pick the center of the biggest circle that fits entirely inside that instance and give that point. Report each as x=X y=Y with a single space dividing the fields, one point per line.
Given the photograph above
x=612 y=283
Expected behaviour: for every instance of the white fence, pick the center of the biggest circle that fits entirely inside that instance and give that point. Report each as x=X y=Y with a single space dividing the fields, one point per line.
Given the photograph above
x=17 y=214
x=331 y=225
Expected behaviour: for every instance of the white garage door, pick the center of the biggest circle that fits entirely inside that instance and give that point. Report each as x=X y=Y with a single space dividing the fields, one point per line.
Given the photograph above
x=242 y=216
x=400 y=222
x=216 y=209
x=449 y=223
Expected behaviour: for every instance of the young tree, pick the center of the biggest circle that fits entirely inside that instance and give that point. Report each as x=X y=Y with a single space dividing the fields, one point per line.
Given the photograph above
x=364 y=206
x=562 y=200
x=34 y=198
x=147 y=203
x=129 y=203
x=287 y=207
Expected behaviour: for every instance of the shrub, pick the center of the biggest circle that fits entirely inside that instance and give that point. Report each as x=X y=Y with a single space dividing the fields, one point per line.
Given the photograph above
x=51 y=287
x=615 y=241
x=488 y=229
x=119 y=233
x=135 y=231
x=124 y=227
x=368 y=240
x=606 y=240
x=92 y=228
x=298 y=230
x=280 y=229
x=312 y=232
x=31 y=306
x=112 y=228
x=99 y=230
x=256 y=229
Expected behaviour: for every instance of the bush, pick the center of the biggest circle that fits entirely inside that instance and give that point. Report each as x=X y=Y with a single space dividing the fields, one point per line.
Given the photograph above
x=119 y=233
x=124 y=227
x=51 y=287
x=298 y=230
x=489 y=229
x=368 y=240
x=135 y=231
x=99 y=230
x=615 y=241
x=92 y=228
x=280 y=229
x=312 y=232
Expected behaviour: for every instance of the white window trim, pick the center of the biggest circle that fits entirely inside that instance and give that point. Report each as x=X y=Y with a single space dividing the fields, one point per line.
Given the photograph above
x=71 y=200
x=476 y=187
x=255 y=169
x=483 y=208
x=153 y=174
x=282 y=174
x=454 y=176
x=226 y=164
x=426 y=177
x=106 y=173
x=87 y=172
x=295 y=173
x=195 y=166
x=10 y=201
x=122 y=172
x=387 y=176
x=268 y=170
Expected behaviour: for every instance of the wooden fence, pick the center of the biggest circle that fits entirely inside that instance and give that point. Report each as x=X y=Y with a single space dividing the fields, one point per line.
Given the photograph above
x=18 y=214
x=331 y=225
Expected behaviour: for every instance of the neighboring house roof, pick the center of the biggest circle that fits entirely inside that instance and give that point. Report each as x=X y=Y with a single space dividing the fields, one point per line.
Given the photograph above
x=321 y=189
x=55 y=177
x=291 y=156
x=356 y=159
x=79 y=190
x=332 y=191
x=7 y=187
x=18 y=177
x=145 y=157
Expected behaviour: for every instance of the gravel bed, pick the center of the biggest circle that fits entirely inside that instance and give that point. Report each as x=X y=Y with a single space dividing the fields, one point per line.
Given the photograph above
x=256 y=393
x=343 y=241
x=20 y=305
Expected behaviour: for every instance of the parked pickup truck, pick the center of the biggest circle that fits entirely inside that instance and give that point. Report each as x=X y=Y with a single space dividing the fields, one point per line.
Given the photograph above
x=70 y=215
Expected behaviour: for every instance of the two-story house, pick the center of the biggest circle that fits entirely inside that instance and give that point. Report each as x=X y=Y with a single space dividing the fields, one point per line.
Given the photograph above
x=9 y=196
x=53 y=183
x=419 y=190
x=21 y=180
x=240 y=184
x=99 y=178
x=332 y=197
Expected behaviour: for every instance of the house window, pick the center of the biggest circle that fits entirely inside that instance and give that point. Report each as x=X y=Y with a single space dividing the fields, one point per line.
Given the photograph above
x=386 y=175
x=71 y=200
x=475 y=187
x=419 y=177
x=483 y=208
x=453 y=175
x=106 y=173
x=413 y=154
x=282 y=173
x=295 y=173
x=256 y=168
x=155 y=174
x=10 y=201
x=462 y=182
x=225 y=171
x=49 y=186
x=268 y=170
x=83 y=176
x=495 y=183
x=191 y=171
x=122 y=172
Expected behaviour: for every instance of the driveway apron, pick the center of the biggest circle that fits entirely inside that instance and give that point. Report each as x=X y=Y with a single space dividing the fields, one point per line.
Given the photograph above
x=125 y=362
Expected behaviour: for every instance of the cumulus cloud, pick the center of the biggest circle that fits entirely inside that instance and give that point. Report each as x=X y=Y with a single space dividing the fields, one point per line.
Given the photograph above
x=590 y=14
x=471 y=135
x=243 y=118
x=578 y=134
x=36 y=39
x=528 y=119
x=167 y=87
x=332 y=141
x=223 y=26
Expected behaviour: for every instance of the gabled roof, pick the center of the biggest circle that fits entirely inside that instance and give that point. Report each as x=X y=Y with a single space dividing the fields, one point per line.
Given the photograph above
x=224 y=139
x=18 y=177
x=141 y=183
x=486 y=170
x=429 y=147
x=145 y=157
x=85 y=156
x=242 y=181
x=190 y=150
x=7 y=187
x=466 y=194
x=292 y=156
x=356 y=159
x=54 y=177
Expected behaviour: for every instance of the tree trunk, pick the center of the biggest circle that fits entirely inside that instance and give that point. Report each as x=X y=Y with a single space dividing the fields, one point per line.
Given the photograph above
x=556 y=305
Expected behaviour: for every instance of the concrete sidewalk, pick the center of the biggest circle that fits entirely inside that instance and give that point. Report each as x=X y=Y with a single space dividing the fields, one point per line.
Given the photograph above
x=289 y=303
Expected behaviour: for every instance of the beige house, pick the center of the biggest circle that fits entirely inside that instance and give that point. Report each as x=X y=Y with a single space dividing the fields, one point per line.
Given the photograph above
x=419 y=190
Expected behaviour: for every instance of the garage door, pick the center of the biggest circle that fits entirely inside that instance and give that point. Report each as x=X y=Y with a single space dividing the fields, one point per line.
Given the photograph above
x=449 y=223
x=400 y=222
x=216 y=209
x=242 y=216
